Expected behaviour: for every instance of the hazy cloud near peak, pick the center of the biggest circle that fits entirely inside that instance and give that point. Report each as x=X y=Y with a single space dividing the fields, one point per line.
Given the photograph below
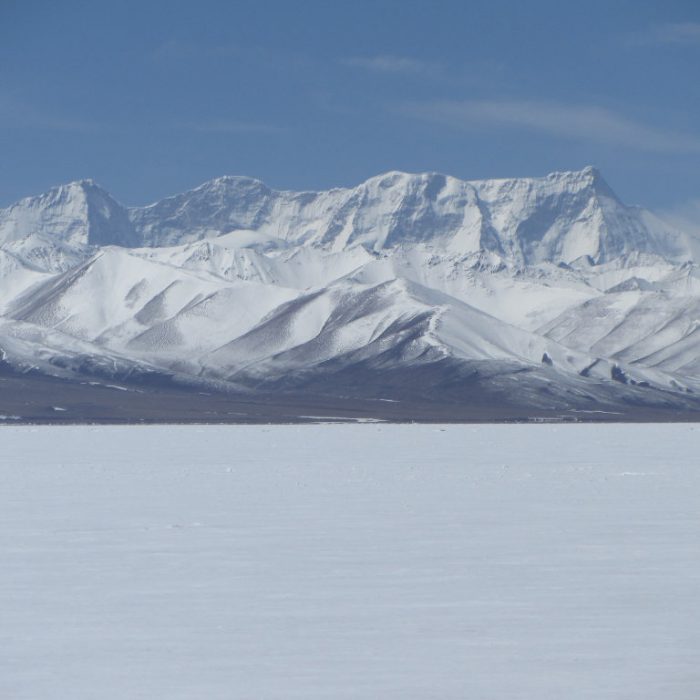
x=580 y=122
x=685 y=216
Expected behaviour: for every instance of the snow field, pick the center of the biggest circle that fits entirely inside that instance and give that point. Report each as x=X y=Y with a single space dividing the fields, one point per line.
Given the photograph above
x=350 y=561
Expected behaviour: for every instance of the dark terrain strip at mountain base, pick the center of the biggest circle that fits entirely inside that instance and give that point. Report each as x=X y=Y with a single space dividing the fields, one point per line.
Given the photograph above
x=39 y=399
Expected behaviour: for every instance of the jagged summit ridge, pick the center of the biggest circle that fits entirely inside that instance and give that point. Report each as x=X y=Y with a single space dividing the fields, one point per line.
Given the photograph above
x=524 y=220
x=558 y=218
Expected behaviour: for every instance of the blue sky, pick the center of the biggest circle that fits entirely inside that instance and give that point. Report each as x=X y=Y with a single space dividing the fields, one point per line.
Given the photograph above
x=153 y=98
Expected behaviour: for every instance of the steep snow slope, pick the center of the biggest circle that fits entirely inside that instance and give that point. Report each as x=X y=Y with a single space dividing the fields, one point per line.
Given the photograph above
x=652 y=329
x=26 y=347
x=561 y=217
x=520 y=296
x=296 y=267
x=16 y=277
x=55 y=230
x=235 y=281
x=148 y=304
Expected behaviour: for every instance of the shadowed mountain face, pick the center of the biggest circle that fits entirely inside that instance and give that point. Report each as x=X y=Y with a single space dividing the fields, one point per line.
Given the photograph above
x=541 y=294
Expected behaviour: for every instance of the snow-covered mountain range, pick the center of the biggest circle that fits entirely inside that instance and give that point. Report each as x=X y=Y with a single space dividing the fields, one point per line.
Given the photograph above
x=549 y=292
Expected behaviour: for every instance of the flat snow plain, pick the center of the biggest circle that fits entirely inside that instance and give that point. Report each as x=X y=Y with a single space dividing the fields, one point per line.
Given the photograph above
x=350 y=561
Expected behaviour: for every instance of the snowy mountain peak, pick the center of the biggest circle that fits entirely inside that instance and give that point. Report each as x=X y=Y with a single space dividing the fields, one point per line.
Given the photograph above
x=588 y=178
x=558 y=218
x=77 y=214
x=548 y=281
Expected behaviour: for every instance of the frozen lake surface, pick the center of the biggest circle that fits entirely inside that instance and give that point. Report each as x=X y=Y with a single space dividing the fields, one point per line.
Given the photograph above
x=544 y=562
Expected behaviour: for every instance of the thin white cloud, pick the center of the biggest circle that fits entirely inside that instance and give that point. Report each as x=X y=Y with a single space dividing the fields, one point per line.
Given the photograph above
x=668 y=34
x=685 y=216
x=580 y=122
x=174 y=50
x=234 y=127
x=18 y=114
x=395 y=65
